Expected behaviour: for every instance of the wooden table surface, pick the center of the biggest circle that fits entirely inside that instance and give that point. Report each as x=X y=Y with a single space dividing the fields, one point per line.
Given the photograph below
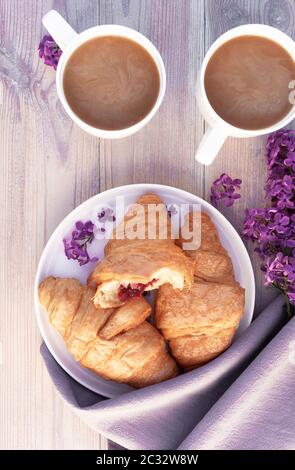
x=48 y=166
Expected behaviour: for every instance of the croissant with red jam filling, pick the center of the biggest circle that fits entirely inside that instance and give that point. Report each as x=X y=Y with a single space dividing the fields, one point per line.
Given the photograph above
x=133 y=265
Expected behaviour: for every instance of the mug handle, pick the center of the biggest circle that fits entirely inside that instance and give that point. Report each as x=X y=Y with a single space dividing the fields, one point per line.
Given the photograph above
x=59 y=29
x=211 y=143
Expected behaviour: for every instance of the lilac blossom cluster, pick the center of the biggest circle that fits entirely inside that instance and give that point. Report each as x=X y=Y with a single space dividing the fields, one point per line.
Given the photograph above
x=49 y=51
x=76 y=245
x=225 y=189
x=273 y=228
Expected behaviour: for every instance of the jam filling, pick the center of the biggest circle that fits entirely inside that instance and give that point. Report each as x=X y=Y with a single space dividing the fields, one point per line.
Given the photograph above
x=133 y=290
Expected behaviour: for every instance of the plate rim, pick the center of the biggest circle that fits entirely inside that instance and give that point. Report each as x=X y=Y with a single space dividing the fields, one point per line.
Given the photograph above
x=149 y=187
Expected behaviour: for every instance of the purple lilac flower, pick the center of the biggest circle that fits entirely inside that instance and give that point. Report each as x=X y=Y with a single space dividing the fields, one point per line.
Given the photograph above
x=290 y=160
x=272 y=229
x=281 y=191
x=224 y=188
x=49 y=51
x=280 y=224
x=280 y=270
x=75 y=246
x=274 y=269
x=256 y=224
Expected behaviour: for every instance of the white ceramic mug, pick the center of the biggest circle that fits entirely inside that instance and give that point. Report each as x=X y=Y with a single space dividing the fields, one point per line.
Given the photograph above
x=218 y=129
x=68 y=40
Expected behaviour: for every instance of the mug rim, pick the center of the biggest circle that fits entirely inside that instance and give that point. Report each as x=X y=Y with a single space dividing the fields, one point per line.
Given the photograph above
x=111 y=30
x=262 y=30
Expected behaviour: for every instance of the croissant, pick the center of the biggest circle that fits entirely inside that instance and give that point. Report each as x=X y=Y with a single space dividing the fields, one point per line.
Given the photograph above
x=133 y=265
x=117 y=344
x=211 y=260
x=200 y=323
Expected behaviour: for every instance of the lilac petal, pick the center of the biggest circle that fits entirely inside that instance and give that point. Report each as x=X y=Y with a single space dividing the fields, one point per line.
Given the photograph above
x=228 y=202
x=79 y=225
x=88 y=225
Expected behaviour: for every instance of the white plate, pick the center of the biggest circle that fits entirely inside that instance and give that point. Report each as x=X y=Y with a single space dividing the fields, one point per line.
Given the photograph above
x=53 y=262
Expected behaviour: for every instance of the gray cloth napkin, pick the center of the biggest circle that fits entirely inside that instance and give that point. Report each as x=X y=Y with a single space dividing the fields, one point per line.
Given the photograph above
x=172 y=414
x=258 y=411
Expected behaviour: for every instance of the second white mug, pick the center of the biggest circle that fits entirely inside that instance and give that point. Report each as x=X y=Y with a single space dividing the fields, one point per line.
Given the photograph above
x=218 y=129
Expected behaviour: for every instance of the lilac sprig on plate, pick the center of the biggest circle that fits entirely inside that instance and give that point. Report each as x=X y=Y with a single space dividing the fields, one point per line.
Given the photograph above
x=225 y=189
x=49 y=51
x=272 y=228
x=76 y=246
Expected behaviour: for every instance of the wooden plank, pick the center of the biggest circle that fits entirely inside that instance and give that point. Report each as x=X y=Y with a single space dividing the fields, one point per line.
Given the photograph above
x=162 y=152
x=47 y=167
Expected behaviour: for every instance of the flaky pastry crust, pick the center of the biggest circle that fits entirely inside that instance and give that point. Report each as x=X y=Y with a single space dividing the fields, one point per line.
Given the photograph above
x=201 y=322
x=128 y=350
